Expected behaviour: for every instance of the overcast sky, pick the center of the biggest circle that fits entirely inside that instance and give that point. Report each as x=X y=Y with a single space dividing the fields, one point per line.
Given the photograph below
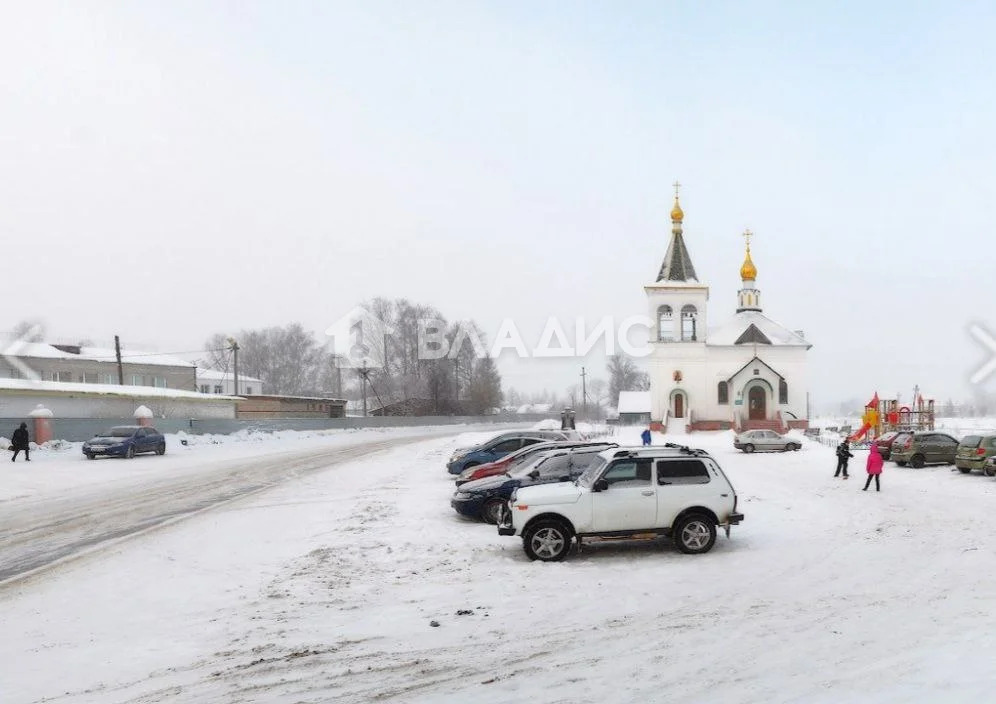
x=171 y=170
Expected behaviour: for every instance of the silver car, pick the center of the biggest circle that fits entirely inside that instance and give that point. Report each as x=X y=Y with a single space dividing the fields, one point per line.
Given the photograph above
x=764 y=441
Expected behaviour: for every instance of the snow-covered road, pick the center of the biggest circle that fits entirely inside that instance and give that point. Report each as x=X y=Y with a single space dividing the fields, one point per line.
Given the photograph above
x=150 y=491
x=323 y=589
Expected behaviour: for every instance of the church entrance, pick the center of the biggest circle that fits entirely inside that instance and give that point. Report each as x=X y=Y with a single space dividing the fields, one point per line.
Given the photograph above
x=757 y=403
x=679 y=405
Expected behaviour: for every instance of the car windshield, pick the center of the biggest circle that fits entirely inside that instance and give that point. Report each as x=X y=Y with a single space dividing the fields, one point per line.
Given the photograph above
x=533 y=463
x=119 y=432
x=587 y=478
x=971 y=441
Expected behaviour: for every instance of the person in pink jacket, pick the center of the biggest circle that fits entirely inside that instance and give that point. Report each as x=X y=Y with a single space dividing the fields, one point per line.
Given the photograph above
x=874 y=466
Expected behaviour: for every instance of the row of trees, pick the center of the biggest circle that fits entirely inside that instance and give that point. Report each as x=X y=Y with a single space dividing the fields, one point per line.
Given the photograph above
x=290 y=360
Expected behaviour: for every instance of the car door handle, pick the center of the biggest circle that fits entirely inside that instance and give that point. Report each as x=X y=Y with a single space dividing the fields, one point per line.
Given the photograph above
x=647 y=493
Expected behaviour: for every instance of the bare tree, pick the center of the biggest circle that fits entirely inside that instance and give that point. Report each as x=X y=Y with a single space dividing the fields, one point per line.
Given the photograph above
x=624 y=376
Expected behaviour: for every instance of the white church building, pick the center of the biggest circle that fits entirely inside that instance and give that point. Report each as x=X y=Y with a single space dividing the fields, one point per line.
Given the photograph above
x=747 y=372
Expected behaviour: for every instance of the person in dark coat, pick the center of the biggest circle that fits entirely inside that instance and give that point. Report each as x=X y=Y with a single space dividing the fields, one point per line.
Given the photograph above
x=645 y=436
x=843 y=455
x=20 y=442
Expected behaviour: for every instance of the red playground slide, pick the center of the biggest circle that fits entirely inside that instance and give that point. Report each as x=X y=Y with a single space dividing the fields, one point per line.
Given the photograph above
x=862 y=431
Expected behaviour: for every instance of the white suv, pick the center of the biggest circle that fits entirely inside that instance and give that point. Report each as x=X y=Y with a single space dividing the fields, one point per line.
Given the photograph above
x=626 y=493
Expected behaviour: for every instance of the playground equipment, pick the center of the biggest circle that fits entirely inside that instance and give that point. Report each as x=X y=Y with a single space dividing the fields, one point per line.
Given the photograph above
x=886 y=415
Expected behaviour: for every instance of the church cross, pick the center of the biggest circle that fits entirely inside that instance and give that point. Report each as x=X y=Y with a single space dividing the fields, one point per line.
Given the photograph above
x=747 y=235
x=676 y=187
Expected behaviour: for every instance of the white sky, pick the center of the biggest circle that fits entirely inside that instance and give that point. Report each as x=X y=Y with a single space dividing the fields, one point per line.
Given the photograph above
x=176 y=169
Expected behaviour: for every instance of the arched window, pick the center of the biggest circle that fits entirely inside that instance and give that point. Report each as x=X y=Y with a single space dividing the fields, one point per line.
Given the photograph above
x=689 y=319
x=722 y=393
x=783 y=391
x=665 y=324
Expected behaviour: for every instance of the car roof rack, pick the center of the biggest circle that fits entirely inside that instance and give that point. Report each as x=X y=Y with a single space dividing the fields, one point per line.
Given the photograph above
x=684 y=449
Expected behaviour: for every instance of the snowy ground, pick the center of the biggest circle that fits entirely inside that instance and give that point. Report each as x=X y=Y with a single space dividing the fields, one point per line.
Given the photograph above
x=323 y=589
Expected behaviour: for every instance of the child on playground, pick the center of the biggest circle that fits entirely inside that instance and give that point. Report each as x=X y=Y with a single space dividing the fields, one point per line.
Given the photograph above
x=843 y=455
x=873 y=466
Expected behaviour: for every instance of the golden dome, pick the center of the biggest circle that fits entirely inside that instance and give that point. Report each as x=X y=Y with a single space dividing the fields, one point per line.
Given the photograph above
x=677 y=214
x=748 y=272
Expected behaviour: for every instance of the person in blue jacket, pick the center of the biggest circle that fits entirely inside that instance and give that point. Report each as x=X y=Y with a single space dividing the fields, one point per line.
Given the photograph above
x=645 y=436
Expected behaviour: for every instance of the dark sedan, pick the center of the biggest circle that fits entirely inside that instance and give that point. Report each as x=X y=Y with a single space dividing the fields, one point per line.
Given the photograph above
x=125 y=441
x=484 y=498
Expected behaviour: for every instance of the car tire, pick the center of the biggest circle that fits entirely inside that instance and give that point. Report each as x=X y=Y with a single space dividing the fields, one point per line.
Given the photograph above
x=161 y=449
x=491 y=511
x=748 y=448
x=916 y=461
x=900 y=463
x=694 y=534
x=547 y=540
x=90 y=455
x=964 y=470
x=988 y=472
x=130 y=452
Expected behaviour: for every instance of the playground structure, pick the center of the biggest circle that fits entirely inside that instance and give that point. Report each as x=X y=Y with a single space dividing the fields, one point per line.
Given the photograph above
x=886 y=415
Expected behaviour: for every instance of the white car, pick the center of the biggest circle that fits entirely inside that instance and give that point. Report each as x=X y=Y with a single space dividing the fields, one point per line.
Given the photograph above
x=765 y=441
x=631 y=493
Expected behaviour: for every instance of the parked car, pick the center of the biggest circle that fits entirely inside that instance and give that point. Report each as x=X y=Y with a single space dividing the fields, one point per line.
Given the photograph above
x=125 y=441
x=497 y=447
x=973 y=453
x=764 y=441
x=990 y=468
x=885 y=441
x=514 y=460
x=633 y=493
x=924 y=447
x=484 y=498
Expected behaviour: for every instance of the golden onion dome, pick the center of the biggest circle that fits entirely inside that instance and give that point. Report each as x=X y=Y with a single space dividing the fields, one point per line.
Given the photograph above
x=677 y=214
x=748 y=272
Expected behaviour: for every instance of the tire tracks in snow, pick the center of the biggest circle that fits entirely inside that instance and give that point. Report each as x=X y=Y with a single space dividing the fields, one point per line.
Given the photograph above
x=39 y=535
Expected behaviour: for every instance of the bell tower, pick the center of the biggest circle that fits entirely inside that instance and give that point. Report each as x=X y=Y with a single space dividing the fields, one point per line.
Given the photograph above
x=749 y=297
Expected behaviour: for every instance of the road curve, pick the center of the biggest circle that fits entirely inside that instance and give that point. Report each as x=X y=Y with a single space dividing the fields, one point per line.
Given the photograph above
x=39 y=535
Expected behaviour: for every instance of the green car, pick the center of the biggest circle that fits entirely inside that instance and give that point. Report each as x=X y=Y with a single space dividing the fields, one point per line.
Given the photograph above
x=973 y=451
x=924 y=447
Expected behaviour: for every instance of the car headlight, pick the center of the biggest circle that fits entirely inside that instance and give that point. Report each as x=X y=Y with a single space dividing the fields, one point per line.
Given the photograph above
x=462 y=495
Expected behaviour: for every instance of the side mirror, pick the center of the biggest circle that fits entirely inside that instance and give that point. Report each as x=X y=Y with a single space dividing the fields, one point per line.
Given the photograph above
x=601 y=485
x=565 y=478
x=534 y=474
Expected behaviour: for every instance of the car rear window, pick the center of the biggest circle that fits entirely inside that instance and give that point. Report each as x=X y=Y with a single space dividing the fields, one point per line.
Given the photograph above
x=888 y=436
x=970 y=441
x=991 y=441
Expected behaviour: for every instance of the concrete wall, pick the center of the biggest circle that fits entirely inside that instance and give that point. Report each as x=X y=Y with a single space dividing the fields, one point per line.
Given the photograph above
x=14 y=404
x=78 y=429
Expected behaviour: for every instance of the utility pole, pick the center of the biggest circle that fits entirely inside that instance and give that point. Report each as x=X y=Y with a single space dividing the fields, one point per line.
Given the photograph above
x=456 y=378
x=235 y=364
x=363 y=373
x=117 y=354
x=338 y=376
x=584 y=394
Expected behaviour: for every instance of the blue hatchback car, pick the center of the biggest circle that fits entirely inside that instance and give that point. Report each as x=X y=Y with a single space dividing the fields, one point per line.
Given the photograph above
x=484 y=498
x=125 y=441
x=496 y=448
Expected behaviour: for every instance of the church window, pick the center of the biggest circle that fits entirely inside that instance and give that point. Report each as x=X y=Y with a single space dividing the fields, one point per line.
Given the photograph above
x=665 y=324
x=723 y=393
x=689 y=320
x=783 y=391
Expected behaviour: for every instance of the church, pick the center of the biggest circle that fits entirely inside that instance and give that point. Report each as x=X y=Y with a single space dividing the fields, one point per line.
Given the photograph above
x=749 y=372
